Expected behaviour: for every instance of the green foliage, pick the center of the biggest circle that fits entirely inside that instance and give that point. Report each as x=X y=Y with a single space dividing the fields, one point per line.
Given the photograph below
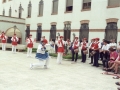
x=68 y=56
x=33 y=50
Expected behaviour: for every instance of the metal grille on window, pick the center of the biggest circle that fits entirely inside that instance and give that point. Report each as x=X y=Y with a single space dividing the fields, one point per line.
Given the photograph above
x=29 y=9
x=27 y=31
x=111 y=31
x=55 y=6
x=53 y=32
x=86 y=4
x=40 y=8
x=67 y=31
x=113 y=2
x=84 y=31
x=10 y=11
x=39 y=33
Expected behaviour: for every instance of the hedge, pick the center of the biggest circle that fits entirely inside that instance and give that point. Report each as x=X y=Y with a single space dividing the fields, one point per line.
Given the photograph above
x=68 y=56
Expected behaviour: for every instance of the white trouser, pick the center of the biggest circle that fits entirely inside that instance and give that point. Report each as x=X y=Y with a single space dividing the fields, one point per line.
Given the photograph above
x=29 y=51
x=3 y=46
x=41 y=63
x=59 y=57
x=14 y=48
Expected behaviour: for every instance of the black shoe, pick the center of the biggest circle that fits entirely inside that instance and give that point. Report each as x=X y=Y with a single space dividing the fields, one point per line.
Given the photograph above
x=94 y=65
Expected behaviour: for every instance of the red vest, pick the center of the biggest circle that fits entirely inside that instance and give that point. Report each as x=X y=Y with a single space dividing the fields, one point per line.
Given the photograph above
x=75 y=44
x=96 y=46
x=14 y=42
x=3 y=39
x=84 y=46
x=61 y=49
x=30 y=45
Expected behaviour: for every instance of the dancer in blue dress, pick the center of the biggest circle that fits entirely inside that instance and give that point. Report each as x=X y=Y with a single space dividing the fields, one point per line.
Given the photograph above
x=41 y=55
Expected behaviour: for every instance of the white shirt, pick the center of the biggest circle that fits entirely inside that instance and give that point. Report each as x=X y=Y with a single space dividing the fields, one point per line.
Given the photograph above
x=40 y=50
x=105 y=47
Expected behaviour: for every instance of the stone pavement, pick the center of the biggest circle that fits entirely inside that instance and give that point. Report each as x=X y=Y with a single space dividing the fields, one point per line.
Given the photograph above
x=16 y=75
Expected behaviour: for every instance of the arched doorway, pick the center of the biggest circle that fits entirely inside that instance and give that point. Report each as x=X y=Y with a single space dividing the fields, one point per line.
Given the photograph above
x=111 y=31
x=10 y=32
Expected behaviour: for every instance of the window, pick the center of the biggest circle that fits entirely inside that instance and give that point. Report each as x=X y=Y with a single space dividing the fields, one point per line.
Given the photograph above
x=20 y=11
x=114 y=3
x=40 y=8
x=53 y=32
x=86 y=4
x=67 y=30
x=84 y=31
x=55 y=7
x=27 y=31
x=10 y=11
x=4 y=1
x=3 y=12
x=39 y=33
x=29 y=9
x=111 y=31
x=69 y=5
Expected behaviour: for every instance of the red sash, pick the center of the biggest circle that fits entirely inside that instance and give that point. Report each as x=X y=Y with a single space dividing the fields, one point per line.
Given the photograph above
x=75 y=43
x=30 y=45
x=14 y=42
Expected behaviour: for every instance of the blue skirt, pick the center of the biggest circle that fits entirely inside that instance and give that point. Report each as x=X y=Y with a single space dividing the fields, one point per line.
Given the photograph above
x=42 y=56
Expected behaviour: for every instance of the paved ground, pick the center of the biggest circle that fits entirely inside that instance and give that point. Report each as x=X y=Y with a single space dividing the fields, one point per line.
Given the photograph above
x=16 y=75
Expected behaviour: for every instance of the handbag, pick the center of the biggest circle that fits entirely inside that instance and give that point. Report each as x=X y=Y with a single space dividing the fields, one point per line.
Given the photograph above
x=76 y=50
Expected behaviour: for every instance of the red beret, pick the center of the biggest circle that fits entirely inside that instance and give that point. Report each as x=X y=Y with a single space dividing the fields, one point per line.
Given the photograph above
x=61 y=36
x=97 y=39
x=76 y=37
